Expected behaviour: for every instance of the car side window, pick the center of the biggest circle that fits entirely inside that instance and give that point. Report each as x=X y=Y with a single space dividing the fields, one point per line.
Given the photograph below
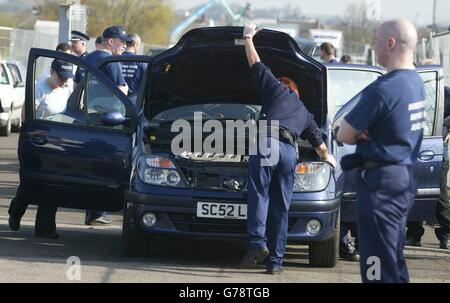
x=91 y=103
x=346 y=84
x=54 y=97
x=101 y=100
x=430 y=83
x=4 y=79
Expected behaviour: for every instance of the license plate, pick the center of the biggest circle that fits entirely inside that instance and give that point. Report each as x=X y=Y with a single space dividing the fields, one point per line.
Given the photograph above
x=221 y=210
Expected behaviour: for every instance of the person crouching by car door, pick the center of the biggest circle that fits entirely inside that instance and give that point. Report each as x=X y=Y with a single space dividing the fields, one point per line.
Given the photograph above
x=51 y=95
x=270 y=186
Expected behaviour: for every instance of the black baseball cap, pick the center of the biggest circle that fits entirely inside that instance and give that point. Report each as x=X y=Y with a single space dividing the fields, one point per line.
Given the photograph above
x=78 y=36
x=63 y=69
x=116 y=32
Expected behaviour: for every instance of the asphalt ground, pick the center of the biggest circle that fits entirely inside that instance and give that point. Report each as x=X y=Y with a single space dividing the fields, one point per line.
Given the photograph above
x=24 y=258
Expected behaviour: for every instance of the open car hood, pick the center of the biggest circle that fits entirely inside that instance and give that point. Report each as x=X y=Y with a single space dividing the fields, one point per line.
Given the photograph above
x=209 y=65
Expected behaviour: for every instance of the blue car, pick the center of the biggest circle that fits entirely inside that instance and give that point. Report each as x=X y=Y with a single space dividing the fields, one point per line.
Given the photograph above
x=107 y=152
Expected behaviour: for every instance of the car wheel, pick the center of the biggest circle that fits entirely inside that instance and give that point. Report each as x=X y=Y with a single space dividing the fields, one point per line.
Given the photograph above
x=325 y=253
x=16 y=126
x=134 y=242
x=6 y=130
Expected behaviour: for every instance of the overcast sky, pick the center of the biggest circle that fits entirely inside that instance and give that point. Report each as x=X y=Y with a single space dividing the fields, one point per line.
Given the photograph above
x=417 y=10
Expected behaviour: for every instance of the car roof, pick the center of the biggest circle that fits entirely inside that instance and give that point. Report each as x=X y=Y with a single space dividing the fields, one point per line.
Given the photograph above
x=353 y=66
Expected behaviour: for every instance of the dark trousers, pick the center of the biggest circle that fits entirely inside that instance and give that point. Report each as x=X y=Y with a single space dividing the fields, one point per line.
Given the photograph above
x=384 y=198
x=45 y=217
x=415 y=228
x=269 y=198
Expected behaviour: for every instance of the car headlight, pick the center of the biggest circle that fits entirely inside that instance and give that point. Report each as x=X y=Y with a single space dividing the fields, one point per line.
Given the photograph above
x=159 y=170
x=311 y=176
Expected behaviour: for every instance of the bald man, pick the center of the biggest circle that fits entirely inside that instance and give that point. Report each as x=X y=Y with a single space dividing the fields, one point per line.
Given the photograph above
x=387 y=127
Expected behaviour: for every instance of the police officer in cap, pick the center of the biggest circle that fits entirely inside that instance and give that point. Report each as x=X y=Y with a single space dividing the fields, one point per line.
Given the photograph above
x=271 y=177
x=387 y=127
x=79 y=41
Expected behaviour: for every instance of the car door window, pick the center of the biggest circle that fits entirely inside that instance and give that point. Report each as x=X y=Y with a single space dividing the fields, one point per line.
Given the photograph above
x=93 y=103
x=346 y=84
x=4 y=79
x=100 y=100
x=430 y=83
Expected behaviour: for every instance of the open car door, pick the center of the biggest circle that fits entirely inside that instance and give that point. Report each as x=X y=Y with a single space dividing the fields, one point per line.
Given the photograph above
x=427 y=170
x=78 y=153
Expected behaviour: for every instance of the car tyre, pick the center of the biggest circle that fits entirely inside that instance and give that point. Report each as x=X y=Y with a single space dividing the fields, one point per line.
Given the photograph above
x=6 y=130
x=134 y=242
x=325 y=253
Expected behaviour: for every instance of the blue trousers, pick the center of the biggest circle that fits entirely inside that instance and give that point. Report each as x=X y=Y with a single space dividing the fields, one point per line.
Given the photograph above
x=384 y=198
x=269 y=197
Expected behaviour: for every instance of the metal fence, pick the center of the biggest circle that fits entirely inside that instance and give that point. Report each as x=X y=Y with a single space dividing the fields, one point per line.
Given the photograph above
x=5 y=38
x=437 y=47
x=359 y=52
x=16 y=43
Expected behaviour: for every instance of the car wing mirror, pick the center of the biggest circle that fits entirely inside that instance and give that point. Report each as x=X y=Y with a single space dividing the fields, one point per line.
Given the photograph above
x=334 y=134
x=114 y=118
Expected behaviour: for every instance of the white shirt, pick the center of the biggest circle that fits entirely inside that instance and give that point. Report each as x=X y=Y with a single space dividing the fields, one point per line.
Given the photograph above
x=50 y=101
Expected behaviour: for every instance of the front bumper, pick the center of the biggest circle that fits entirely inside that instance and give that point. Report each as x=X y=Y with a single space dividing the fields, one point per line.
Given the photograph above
x=176 y=216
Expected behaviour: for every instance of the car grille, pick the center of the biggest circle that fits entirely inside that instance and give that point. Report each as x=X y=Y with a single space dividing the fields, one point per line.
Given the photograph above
x=191 y=223
x=208 y=181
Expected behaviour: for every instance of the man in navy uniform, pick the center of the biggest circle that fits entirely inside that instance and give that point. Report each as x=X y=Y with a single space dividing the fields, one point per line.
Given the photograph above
x=270 y=186
x=114 y=39
x=387 y=127
x=133 y=72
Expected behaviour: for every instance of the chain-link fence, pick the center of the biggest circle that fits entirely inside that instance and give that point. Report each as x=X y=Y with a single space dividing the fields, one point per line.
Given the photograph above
x=19 y=41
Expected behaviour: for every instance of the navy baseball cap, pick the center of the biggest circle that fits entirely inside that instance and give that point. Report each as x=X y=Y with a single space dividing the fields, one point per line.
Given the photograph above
x=116 y=32
x=78 y=36
x=63 y=69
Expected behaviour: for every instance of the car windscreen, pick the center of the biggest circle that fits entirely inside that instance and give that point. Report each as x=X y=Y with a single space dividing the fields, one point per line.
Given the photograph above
x=219 y=111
